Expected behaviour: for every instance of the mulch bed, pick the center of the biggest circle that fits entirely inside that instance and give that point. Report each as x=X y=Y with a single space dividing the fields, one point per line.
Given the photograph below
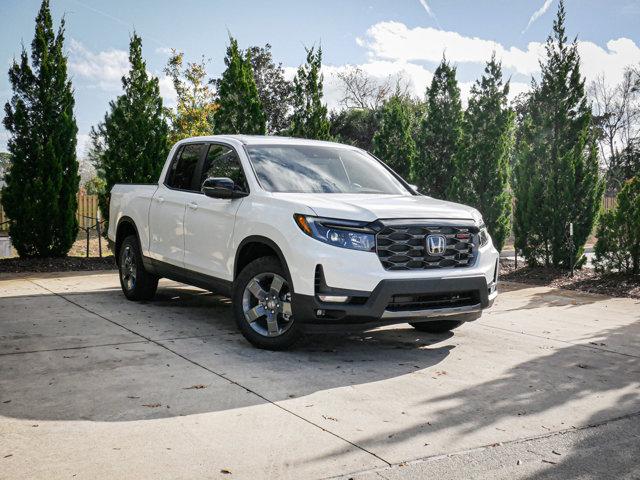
x=584 y=280
x=64 y=264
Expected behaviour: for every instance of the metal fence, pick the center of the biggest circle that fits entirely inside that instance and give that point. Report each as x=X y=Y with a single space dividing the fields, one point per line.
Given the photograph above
x=87 y=212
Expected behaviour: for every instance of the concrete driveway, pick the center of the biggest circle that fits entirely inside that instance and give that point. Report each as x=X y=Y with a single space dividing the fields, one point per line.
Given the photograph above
x=546 y=385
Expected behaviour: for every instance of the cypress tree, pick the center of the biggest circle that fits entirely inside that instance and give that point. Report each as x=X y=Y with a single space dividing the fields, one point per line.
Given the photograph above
x=309 y=119
x=240 y=108
x=440 y=134
x=483 y=163
x=393 y=142
x=42 y=183
x=557 y=180
x=355 y=126
x=131 y=143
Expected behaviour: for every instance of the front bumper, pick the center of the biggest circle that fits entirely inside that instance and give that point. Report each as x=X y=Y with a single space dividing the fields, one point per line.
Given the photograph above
x=375 y=307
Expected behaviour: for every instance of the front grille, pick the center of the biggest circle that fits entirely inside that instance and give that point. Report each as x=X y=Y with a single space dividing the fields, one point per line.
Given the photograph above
x=429 y=301
x=403 y=247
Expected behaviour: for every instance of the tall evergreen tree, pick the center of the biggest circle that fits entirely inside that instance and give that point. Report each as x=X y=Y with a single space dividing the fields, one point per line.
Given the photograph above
x=309 y=119
x=393 y=142
x=130 y=145
x=240 y=109
x=42 y=183
x=273 y=89
x=355 y=126
x=440 y=134
x=483 y=164
x=557 y=180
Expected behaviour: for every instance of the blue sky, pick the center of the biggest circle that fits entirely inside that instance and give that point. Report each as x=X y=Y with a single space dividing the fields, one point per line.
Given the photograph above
x=400 y=37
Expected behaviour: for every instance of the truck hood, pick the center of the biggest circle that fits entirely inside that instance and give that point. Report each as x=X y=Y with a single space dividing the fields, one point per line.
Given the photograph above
x=368 y=207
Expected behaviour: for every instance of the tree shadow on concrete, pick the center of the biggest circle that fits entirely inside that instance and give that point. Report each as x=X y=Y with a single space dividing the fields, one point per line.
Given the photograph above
x=194 y=348
x=539 y=385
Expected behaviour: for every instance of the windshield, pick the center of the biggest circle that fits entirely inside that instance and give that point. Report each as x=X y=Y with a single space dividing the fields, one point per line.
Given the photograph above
x=320 y=169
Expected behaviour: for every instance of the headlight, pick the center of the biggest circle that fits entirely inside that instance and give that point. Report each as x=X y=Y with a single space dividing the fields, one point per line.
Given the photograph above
x=484 y=235
x=340 y=233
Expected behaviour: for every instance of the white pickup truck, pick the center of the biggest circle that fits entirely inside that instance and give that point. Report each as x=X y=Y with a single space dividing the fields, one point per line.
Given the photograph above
x=301 y=232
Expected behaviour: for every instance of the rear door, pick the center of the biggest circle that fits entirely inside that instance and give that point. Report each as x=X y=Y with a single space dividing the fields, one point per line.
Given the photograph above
x=166 y=214
x=209 y=222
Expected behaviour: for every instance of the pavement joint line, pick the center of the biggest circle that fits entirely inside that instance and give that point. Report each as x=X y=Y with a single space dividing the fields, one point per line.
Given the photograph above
x=80 y=347
x=224 y=377
x=516 y=441
x=577 y=344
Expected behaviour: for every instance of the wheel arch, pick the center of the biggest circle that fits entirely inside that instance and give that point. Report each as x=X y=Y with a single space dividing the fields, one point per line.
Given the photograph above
x=254 y=247
x=126 y=226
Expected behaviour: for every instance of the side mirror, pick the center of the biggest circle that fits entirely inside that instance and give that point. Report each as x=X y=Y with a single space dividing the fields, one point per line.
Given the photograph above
x=222 y=187
x=414 y=187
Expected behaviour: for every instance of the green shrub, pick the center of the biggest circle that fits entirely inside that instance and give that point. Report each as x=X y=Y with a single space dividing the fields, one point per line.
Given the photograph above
x=618 y=245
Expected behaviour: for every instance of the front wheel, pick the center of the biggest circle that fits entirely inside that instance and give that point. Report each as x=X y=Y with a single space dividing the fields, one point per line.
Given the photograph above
x=437 y=326
x=262 y=305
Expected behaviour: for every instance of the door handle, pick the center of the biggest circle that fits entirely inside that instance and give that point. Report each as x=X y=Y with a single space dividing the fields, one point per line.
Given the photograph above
x=193 y=205
x=160 y=199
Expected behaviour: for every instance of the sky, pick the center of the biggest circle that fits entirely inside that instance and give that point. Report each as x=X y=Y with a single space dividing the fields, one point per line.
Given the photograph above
x=384 y=38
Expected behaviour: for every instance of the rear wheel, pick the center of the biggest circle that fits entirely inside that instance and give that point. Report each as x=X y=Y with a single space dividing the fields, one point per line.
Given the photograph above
x=262 y=305
x=136 y=282
x=437 y=326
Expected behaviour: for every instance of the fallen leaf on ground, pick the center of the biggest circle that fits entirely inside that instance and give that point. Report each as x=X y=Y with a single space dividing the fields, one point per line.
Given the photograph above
x=329 y=418
x=195 y=387
x=225 y=471
x=152 y=405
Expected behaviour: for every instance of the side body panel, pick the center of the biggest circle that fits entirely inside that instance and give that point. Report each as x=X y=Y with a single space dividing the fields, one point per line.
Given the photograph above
x=208 y=235
x=131 y=201
x=166 y=220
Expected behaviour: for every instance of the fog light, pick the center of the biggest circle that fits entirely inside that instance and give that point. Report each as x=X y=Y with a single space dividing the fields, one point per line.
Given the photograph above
x=333 y=298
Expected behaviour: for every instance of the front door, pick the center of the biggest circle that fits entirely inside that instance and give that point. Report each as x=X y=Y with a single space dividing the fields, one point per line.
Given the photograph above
x=166 y=214
x=209 y=222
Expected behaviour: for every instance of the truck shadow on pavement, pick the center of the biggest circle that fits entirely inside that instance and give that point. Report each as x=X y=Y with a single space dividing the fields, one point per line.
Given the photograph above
x=181 y=355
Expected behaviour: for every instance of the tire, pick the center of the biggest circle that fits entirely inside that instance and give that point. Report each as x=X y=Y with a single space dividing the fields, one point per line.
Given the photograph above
x=136 y=282
x=437 y=326
x=262 y=305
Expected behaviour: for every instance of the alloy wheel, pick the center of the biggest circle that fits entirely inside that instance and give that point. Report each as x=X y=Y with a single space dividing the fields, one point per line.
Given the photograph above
x=266 y=303
x=128 y=269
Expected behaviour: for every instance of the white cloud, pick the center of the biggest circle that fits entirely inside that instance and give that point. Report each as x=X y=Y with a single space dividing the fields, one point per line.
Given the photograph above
x=538 y=13
x=394 y=41
x=167 y=92
x=164 y=51
x=105 y=68
x=394 y=49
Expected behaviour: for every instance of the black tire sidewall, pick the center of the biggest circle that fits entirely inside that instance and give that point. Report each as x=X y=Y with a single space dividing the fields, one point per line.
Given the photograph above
x=146 y=284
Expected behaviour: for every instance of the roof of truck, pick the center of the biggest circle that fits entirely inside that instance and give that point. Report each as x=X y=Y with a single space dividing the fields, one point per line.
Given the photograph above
x=264 y=140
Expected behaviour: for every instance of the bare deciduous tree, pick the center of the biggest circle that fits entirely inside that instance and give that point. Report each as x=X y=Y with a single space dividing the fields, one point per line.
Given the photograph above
x=616 y=111
x=363 y=91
